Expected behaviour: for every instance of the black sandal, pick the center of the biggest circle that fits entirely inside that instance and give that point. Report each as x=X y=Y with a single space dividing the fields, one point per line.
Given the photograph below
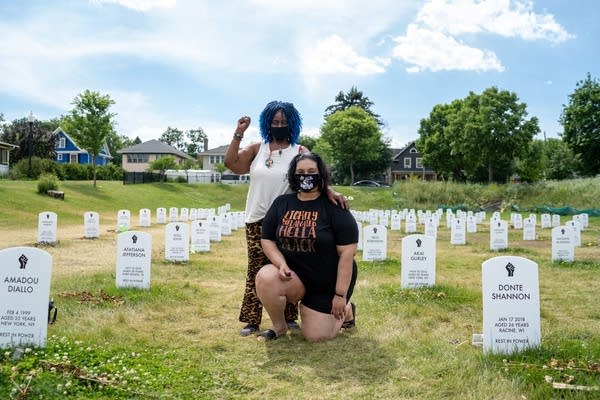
x=269 y=334
x=351 y=323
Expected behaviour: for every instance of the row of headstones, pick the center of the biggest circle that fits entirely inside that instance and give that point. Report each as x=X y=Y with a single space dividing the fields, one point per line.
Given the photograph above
x=228 y=221
x=430 y=220
x=511 y=320
x=511 y=308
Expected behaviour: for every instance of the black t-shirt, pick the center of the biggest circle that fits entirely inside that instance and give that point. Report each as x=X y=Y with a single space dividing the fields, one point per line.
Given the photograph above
x=306 y=233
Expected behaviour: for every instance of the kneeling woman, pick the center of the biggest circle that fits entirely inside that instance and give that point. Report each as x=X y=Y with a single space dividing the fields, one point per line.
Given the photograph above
x=311 y=245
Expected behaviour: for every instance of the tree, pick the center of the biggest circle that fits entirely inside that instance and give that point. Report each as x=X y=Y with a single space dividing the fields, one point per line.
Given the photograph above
x=531 y=166
x=478 y=137
x=561 y=162
x=196 y=138
x=581 y=124
x=307 y=141
x=355 y=142
x=162 y=164
x=92 y=123
x=354 y=98
x=17 y=132
x=173 y=137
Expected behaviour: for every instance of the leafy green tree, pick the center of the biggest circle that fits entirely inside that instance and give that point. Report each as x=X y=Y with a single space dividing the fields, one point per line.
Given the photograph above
x=561 y=162
x=162 y=164
x=581 y=124
x=354 y=98
x=531 y=165
x=173 y=137
x=355 y=141
x=219 y=167
x=92 y=123
x=307 y=141
x=477 y=137
x=196 y=139
x=43 y=140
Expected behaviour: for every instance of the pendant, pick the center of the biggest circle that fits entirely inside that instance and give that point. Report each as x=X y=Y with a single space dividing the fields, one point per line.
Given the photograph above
x=269 y=162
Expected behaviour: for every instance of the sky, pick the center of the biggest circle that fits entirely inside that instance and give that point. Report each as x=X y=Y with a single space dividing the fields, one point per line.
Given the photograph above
x=190 y=64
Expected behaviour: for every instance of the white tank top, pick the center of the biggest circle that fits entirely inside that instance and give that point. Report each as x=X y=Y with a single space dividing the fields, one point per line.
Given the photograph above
x=267 y=183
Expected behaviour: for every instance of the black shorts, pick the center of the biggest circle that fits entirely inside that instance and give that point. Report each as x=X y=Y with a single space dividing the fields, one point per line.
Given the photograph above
x=320 y=299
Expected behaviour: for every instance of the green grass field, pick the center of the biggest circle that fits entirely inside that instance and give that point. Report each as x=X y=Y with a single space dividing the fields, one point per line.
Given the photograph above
x=179 y=340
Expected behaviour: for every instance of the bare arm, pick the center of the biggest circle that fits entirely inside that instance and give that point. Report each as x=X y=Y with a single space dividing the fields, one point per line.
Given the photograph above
x=236 y=159
x=344 y=276
x=277 y=259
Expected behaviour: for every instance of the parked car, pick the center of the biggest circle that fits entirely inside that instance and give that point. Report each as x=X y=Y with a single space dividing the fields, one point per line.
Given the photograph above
x=232 y=179
x=369 y=183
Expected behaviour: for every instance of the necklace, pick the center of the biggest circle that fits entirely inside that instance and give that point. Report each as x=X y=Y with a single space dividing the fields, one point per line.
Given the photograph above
x=269 y=161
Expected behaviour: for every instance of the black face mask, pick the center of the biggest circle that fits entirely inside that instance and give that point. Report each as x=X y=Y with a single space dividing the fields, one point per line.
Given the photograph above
x=280 y=132
x=307 y=182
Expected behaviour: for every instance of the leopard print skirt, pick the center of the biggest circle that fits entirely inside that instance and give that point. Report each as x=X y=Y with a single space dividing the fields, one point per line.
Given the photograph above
x=251 y=310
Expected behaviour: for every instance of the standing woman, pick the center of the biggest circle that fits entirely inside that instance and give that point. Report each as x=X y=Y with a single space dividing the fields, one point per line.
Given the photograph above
x=267 y=162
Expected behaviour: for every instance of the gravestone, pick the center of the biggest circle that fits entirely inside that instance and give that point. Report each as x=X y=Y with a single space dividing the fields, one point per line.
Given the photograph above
x=517 y=221
x=529 y=229
x=563 y=244
x=359 y=245
x=411 y=223
x=431 y=225
x=25 y=275
x=177 y=242
x=546 y=221
x=91 y=225
x=161 y=215
x=374 y=243
x=458 y=233
x=173 y=214
x=471 y=224
x=555 y=220
x=498 y=234
x=123 y=220
x=134 y=260
x=418 y=261
x=200 y=236
x=145 y=217
x=184 y=214
x=193 y=214
x=214 y=228
x=47 y=223
x=511 y=305
x=576 y=231
x=225 y=224
x=585 y=220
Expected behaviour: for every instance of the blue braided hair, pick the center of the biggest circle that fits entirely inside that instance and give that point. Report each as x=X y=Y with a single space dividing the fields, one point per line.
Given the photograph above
x=291 y=114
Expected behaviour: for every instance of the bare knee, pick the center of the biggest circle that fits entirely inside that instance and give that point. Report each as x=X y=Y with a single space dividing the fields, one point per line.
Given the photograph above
x=267 y=274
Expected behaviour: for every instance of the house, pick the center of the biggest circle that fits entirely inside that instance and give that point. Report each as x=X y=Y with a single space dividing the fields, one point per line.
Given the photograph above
x=68 y=152
x=408 y=162
x=5 y=149
x=213 y=156
x=137 y=158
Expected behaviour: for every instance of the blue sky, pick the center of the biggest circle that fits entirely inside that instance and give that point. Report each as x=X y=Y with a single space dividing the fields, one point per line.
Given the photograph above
x=189 y=64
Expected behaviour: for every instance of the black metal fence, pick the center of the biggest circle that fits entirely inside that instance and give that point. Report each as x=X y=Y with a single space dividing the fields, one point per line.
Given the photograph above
x=142 y=177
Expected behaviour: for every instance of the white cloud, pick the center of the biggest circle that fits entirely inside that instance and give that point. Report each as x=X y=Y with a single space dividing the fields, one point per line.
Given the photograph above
x=424 y=49
x=139 y=5
x=508 y=18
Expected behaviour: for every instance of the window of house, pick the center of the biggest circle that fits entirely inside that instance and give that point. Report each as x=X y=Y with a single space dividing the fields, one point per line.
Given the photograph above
x=62 y=143
x=73 y=159
x=217 y=159
x=419 y=162
x=59 y=156
x=413 y=150
x=407 y=162
x=4 y=157
x=137 y=158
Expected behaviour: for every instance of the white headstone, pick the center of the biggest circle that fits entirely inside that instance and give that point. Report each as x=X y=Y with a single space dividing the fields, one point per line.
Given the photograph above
x=214 y=228
x=418 y=261
x=177 y=242
x=517 y=221
x=226 y=224
x=173 y=214
x=411 y=223
x=200 y=236
x=161 y=215
x=134 y=260
x=471 y=224
x=576 y=232
x=529 y=229
x=359 y=245
x=546 y=221
x=431 y=225
x=91 y=225
x=184 y=214
x=563 y=244
x=498 y=234
x=123 y=220
x=585 y=220
x=458 y=233
x=511 y=305
x=47 y=222
x=374 y=243
x=24 y=294
x=145 y=217
x=193 y=214
x=555 y=220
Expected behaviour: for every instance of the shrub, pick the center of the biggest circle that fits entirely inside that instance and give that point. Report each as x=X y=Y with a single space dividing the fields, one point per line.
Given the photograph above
x=47 y=182
x=20 y=170
x=77 y=172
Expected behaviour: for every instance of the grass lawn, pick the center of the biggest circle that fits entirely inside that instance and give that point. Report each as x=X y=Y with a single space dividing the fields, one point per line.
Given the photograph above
x=179 y=340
